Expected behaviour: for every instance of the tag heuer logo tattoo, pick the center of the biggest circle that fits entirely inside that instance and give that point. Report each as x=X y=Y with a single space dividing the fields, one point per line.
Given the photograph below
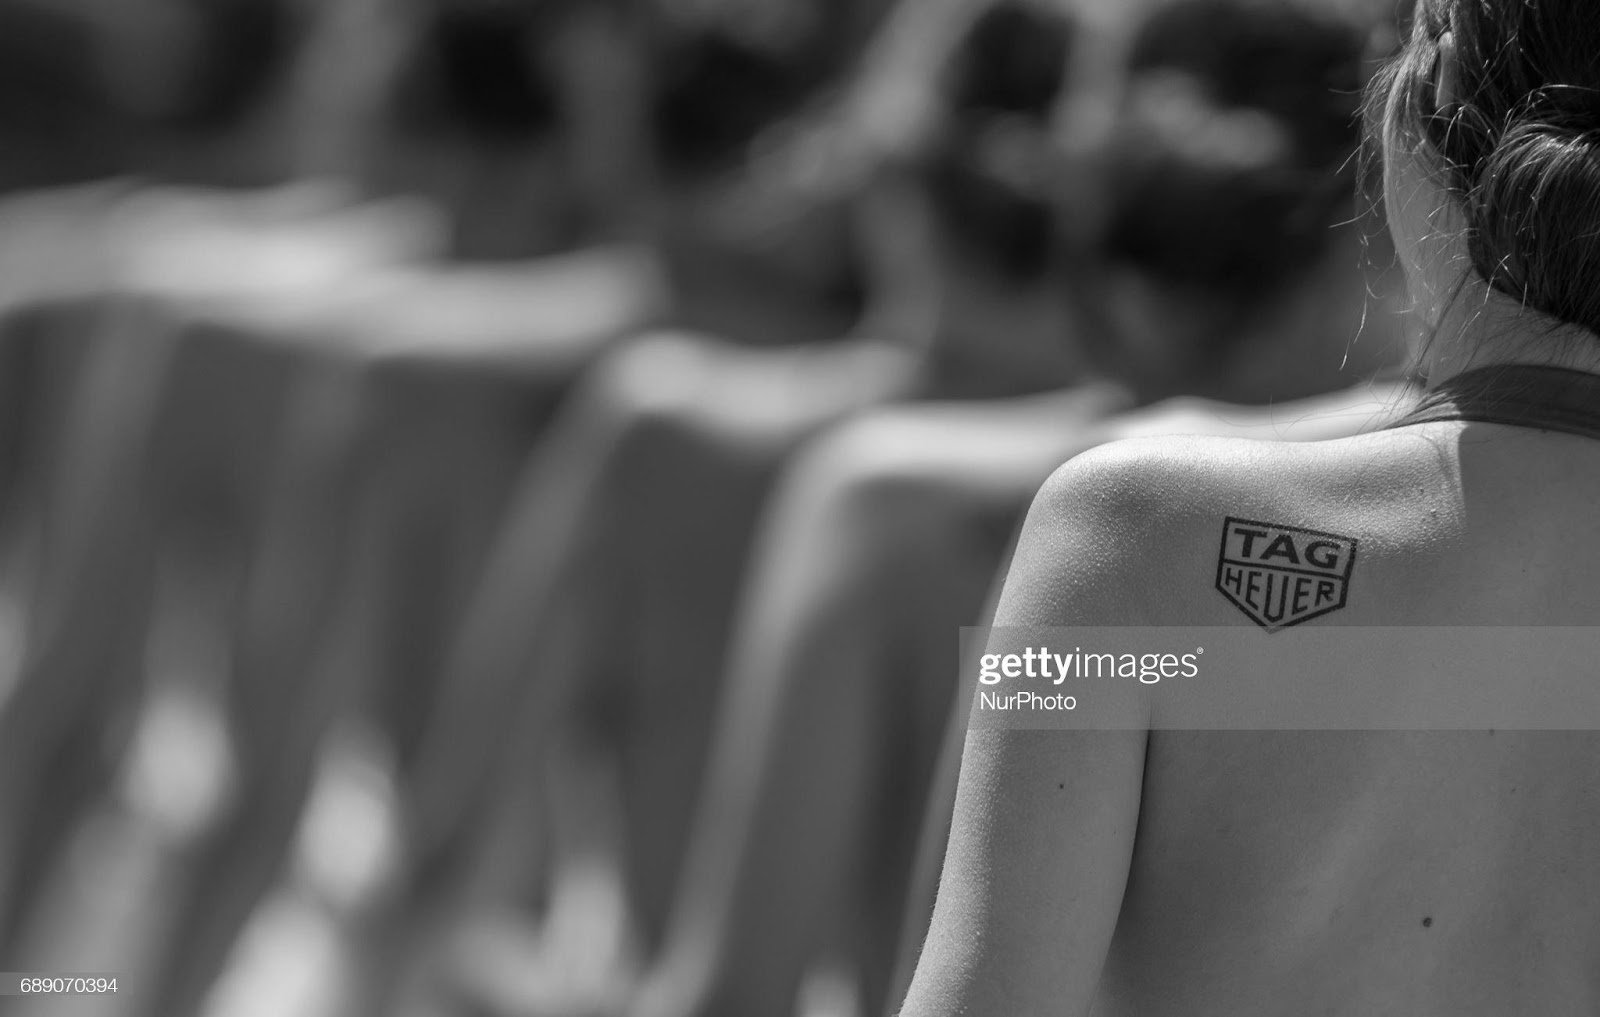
x=1283 y=575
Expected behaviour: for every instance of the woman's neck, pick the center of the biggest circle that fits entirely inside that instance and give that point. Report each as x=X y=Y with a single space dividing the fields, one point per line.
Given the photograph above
x=1483 y=327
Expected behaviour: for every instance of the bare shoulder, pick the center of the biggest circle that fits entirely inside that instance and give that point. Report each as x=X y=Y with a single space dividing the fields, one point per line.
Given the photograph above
x=1136 y=531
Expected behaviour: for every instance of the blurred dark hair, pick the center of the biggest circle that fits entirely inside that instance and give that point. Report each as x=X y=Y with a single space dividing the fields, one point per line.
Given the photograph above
x=1011 y=61
x=1231 y=179
x=53 y=81
x=1519 y=146
x=245 y=48
x=477 y=73
x=1004 y=80
x=715 y=92
x=56 y=119
x=720 y=78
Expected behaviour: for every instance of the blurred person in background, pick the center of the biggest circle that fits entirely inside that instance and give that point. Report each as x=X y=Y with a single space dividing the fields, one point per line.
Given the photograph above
x=546 y=126
x=94 y=89
x=204 y=491
x=401 y=595
x=354 y=560
x=1227 y=277
x=168 y=451
x=480 y=107
x=633 y=579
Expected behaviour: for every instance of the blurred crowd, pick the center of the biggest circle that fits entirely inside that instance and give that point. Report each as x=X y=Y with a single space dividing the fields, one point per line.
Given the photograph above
x=489 y=488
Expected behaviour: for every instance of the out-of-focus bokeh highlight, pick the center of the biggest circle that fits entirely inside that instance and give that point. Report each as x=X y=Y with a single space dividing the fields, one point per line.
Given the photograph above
x=488 y=487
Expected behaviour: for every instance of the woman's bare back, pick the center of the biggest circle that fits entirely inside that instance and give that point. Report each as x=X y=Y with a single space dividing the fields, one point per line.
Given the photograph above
x=1447 y=872
x=1267 y=872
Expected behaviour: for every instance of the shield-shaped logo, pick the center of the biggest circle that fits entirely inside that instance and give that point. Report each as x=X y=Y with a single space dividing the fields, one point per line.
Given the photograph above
x=1283 y=575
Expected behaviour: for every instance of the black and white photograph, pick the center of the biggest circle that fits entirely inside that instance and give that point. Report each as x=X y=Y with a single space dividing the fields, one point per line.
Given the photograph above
x=799 y=508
